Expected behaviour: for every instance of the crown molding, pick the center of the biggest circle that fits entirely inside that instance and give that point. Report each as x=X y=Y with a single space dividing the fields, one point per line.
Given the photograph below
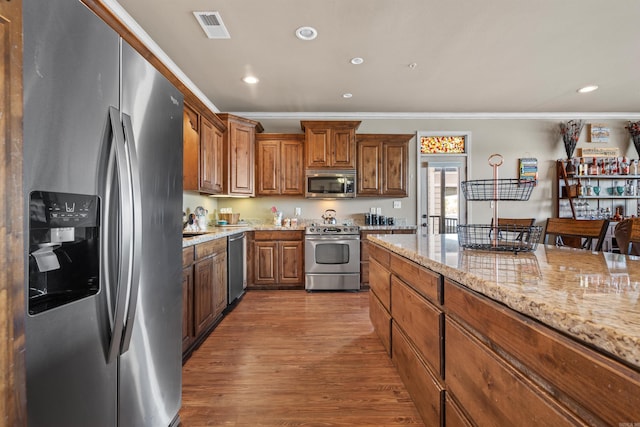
x=439 y=116
x=141 y=34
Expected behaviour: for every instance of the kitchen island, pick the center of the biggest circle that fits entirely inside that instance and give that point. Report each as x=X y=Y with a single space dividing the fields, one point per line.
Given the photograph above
x=550 y=337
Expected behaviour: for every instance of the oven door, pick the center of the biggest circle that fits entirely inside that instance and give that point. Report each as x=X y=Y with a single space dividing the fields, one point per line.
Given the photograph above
x=332 y=254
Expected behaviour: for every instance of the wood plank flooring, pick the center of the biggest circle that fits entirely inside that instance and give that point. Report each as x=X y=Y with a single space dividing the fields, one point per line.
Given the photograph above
x=292 y=358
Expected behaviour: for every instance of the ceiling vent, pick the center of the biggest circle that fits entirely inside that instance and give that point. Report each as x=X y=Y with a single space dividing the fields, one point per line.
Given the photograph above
x=211 y=23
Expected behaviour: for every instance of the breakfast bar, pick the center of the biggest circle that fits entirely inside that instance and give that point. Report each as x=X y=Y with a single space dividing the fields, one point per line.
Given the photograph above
x=549 y=337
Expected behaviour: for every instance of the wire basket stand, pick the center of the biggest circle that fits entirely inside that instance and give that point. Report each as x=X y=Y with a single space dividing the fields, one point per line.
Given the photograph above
x=498 y=237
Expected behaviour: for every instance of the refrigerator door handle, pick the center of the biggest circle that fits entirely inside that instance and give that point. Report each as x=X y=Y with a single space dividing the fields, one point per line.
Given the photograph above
x=125 y=230
x=134 y=283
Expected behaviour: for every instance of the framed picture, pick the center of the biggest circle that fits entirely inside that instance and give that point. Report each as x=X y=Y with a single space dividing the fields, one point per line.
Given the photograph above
x=598 y=132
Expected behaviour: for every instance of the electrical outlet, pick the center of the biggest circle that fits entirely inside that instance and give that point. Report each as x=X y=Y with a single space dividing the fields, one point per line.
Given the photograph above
x=298 y=211
x=397 y=204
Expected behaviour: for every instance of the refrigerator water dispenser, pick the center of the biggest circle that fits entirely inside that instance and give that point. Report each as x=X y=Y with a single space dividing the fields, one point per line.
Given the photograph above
x=64 y=249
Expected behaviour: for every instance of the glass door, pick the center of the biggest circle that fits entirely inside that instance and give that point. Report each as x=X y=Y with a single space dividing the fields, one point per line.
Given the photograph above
x=442 y=207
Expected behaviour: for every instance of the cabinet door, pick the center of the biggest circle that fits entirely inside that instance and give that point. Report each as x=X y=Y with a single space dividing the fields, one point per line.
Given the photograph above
x=369 y=167
x=291 y=262
x=268 y=167
x=317 y=148
x=211 y=157
x=218 y=161
x=292 y=182
x=187 y=311
x=220 y=282
x=265 y=265
x=343 y=150
x=207 y=156
x=395 y=167
x=241 y=161
x=191 y=149
x=203 y=310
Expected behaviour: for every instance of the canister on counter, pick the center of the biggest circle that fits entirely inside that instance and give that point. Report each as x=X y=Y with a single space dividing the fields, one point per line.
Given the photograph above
x=367 y=219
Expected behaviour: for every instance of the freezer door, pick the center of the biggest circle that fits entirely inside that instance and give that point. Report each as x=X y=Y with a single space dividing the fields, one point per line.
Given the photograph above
x=150 y=377
x=71 y=63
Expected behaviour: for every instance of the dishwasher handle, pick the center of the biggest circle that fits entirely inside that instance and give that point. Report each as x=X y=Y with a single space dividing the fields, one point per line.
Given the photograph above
x=236 y=237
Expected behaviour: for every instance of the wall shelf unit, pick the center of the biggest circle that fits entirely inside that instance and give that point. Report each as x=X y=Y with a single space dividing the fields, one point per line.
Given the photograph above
x=587 y=196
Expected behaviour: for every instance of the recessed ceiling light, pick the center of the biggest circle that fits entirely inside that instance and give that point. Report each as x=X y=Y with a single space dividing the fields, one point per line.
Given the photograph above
x=347 y=95
x=413 y=65
x=587 y=89
x=306 y=33
x=357 y=60
x=250 y=80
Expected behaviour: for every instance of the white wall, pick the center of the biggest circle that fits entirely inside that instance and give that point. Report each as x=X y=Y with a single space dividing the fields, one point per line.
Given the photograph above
x=512 y=138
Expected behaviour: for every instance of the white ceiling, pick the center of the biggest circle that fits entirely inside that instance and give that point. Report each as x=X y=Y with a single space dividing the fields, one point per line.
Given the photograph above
x=492 y=56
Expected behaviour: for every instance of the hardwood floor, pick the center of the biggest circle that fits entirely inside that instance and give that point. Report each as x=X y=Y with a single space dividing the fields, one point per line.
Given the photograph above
x=292 y=358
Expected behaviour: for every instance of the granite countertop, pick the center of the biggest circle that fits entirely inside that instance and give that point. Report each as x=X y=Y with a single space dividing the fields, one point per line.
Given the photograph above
x=591 y=296
x=213 y=233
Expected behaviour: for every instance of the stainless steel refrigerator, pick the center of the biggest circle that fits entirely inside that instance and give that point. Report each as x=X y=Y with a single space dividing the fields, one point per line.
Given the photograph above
x=103 y=192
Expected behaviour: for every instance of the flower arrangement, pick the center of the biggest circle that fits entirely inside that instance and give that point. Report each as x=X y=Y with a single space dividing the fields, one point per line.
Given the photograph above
x=570 y=132
x=634 y=131
x=277 y=216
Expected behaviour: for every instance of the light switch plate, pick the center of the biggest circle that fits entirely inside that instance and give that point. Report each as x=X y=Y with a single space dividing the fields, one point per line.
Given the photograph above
x=397 y=204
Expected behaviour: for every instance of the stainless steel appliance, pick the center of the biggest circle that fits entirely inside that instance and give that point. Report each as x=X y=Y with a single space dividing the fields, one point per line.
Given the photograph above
x=332 y=257
x=103 y=191
x=330 y=184
x=236 y=262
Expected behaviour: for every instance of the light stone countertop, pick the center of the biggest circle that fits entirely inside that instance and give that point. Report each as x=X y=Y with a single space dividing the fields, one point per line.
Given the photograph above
x=219 y=232
x=593 y=297
x=213 y=233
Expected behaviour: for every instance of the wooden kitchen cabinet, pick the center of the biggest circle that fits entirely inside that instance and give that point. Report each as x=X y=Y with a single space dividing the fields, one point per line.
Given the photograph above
x=279 y=164
x=208 y=299
x=278 y=260
x=407 y=316
x=364 y=251
x=330 y=144
x=188 y=331
x=239 y=154
x=203 y=152
x=212 y=160
x=383 y=165
x=469 y=360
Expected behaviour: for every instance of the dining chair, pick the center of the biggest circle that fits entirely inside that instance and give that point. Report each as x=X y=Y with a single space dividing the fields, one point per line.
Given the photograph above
x=578 y=233
x=627 y=234
x=521 y=222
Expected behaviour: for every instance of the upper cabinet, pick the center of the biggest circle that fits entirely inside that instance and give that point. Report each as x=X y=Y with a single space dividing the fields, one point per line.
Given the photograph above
x=383 y=165
x=203 y=158
x=239 y=143
x=279 y=164
x=330 y=144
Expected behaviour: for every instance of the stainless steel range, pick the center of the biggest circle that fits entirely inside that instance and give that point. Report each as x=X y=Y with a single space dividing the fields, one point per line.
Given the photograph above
x=332 y=257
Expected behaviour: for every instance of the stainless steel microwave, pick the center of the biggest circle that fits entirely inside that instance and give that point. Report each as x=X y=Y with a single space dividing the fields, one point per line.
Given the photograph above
x=330 y=184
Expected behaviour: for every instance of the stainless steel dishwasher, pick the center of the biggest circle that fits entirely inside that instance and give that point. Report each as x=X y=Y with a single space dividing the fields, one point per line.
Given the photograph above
x=236 y=266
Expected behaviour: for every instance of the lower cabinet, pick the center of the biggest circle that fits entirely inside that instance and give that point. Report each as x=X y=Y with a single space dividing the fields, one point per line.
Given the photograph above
x=364 y=251
x=278 y=260
x=204 y=291
x=467 y=360
x=187 y=297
